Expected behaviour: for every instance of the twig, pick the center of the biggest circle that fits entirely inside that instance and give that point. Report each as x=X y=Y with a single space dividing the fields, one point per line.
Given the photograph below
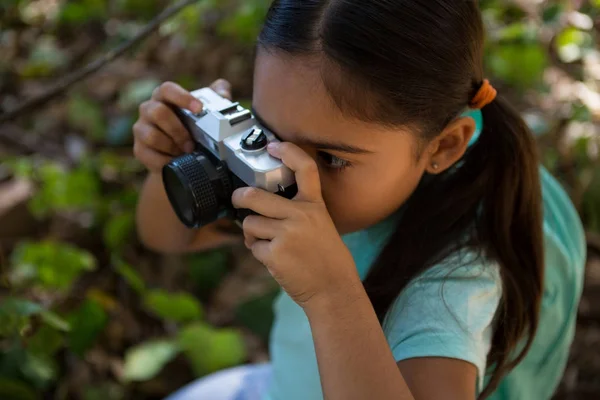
x=22 y=143
x=94 y=66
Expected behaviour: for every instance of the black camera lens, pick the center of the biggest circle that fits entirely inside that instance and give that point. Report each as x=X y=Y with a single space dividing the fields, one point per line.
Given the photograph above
x=199 y=189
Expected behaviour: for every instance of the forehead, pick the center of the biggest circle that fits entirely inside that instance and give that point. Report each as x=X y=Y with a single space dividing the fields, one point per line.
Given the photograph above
x=290 y=91
x=291 y=97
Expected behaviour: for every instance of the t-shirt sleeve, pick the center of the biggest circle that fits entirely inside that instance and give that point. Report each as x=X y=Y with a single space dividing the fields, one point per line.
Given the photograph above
x=446 y=312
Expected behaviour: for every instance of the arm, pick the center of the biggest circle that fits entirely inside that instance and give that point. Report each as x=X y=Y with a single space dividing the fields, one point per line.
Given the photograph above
x=160 y=136
x=355 y=360
x=300 y=246
x=160 y=229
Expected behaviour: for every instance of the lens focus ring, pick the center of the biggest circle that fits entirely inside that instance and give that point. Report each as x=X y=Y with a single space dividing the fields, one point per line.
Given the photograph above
x=203 y=192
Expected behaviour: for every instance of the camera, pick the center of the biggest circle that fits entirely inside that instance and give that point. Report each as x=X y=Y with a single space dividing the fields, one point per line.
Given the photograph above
x=231 y=152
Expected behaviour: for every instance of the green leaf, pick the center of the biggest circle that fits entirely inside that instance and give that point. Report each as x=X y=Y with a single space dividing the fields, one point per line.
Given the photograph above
x=53 y=265
x=86 y=115
x=177 y=307
x=40 y=369
x=144 y=361
x=78 y=12
x=572 y=44
x=551 y=13
x=14 y=315
x=580 y=112
x=55 y=321
x=12 y=389
x=144 y=9
x=21 y=167
x=87 y=322
x=118 y=230
x=208 y=269
x=64 y=190
x=130 y=276
x=189 y=22
x=12 y=325
x=46 y=341
x=256 y=314
x=19 y=307
x=209 y=349
x=518 y=33
x=522 y=65
x=245 y=24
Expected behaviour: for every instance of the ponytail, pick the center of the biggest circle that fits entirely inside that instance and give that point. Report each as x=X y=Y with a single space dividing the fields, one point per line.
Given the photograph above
x=493 y=200
x=512 y=225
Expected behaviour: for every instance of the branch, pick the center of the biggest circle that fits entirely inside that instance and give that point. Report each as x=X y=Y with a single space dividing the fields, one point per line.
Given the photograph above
x=94 y=66
x=22 y=143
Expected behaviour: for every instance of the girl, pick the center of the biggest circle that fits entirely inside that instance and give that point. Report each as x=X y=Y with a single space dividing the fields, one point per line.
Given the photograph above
x=426 y=255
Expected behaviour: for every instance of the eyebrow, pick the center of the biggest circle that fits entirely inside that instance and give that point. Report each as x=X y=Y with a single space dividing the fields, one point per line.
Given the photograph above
x=320 y=144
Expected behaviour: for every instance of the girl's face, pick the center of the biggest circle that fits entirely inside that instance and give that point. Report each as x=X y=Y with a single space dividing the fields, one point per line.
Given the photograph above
x=367 y=171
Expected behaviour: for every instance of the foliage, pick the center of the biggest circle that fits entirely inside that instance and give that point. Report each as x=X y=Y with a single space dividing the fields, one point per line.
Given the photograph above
x=83 y=295
x=176 y=307
x=146 y=360
x=210 y=349
x=50 y=264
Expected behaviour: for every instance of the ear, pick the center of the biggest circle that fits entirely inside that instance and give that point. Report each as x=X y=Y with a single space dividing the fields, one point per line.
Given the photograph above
x=450 y=145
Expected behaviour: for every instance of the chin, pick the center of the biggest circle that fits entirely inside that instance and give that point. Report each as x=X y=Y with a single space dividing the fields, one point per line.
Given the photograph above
x=345 y=227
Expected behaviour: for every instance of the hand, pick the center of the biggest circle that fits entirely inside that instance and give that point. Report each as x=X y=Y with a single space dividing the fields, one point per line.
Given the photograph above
x=158 y=134
x=296 y=239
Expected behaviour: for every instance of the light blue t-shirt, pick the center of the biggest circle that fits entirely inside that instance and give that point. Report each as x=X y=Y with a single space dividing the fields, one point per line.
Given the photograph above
x=450 y=312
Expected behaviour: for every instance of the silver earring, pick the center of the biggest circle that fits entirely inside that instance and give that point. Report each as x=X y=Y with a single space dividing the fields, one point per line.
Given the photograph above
x=435 y=165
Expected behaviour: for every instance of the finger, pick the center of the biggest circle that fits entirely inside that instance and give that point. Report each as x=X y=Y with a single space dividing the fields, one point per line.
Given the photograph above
x=261 y=250
x=222 y=87
x=305 y=168
x=261 y=227
x=155 y=139
x=262 y=202
x=164 y=118
x=153 y=160
x=249 y=241
x=172 y=93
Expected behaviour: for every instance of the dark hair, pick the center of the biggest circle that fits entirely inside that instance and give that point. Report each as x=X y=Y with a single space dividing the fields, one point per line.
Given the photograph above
x=420 y=63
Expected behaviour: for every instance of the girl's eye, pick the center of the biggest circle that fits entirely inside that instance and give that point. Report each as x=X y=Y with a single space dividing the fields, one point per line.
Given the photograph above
x=331 y=161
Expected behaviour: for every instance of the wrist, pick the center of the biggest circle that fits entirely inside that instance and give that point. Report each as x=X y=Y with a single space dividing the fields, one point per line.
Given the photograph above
x=336 y=302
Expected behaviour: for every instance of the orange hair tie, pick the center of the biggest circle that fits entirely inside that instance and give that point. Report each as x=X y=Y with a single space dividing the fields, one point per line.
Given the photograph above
x=485 y=95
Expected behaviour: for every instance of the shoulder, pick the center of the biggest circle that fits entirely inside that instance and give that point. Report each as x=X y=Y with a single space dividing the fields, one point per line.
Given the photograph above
x=447 y=311
x=464 y=286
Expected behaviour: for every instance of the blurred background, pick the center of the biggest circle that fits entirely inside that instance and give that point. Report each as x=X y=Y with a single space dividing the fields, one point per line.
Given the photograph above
x=85 y=311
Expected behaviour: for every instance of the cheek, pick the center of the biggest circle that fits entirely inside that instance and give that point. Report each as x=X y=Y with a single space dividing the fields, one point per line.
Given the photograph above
x=361 y=196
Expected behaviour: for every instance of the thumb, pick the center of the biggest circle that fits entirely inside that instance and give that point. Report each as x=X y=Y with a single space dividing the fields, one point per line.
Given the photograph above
x=222 y=87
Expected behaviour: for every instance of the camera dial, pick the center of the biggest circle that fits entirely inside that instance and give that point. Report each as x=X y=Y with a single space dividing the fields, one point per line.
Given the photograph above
x=254 y=140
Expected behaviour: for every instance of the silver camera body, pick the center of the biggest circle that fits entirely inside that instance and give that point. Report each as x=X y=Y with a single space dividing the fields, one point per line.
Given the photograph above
x=231 y=152
x=220 y=128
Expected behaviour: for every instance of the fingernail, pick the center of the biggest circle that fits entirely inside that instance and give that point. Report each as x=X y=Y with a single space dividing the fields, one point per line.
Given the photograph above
x=273 y=148
x=189 y=147
x=223 y=92
x=195 y=106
